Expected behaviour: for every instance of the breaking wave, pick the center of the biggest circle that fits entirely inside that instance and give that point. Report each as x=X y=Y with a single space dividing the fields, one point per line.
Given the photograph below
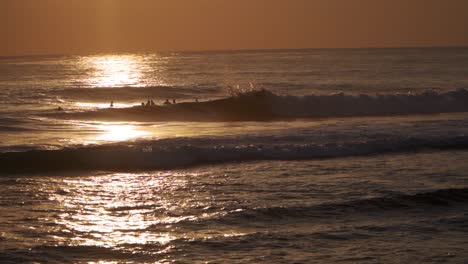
x=264 y=105
x=177 y=153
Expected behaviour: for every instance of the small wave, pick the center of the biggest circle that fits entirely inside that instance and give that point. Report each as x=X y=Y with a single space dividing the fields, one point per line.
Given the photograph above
x=14 y=129
x=264 y=105
x=9 y=121
x=71 y=254
x=442 y=198
x=11 y=124
x=177 y=153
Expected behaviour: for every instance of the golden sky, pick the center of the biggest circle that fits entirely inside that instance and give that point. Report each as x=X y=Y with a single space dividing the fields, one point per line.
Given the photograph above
x=95 y=26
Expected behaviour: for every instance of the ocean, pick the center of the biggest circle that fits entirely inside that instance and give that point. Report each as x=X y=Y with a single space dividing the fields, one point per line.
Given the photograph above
x=275 y=156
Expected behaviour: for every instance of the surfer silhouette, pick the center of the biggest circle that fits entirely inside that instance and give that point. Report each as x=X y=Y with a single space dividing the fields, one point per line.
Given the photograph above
x=167 y=102
x=112 y=104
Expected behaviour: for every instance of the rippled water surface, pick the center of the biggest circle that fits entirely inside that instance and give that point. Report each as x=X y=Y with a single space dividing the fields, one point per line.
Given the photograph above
x=351 y=210
x=385 y=182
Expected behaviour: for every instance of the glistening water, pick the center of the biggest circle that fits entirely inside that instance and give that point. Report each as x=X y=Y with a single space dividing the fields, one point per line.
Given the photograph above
x=381 y=179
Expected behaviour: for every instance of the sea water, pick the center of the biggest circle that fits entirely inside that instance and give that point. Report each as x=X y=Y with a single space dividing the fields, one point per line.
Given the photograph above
x=373 y=186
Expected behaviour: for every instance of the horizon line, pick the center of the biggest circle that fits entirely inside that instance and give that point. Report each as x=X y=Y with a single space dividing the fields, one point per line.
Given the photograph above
x=232 y=50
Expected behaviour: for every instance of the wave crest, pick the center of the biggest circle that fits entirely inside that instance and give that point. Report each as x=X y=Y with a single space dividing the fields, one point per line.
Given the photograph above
x=175 y=153
x=262 y=105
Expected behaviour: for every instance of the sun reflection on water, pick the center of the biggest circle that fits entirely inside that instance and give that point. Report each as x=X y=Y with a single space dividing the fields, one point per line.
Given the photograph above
x=119 y=132
x=90 y=105
x=114 y=71
x=147 y=214
x=110 y=211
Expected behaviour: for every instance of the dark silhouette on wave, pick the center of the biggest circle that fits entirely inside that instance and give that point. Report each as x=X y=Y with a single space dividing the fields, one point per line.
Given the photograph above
x=263 y=105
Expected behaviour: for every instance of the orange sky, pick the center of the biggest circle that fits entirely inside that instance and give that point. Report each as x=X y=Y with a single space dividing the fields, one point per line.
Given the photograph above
x=94 y=26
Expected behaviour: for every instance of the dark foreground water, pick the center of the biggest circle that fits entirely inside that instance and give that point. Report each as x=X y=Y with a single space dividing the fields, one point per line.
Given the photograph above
x=380 y=209
x=376 y=174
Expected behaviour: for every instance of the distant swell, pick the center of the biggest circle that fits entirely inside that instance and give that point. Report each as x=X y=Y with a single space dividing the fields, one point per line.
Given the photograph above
x=176 y=153
x=264 y=105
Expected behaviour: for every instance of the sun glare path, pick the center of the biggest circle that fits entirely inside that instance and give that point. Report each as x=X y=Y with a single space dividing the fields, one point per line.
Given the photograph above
x=119 y=132
x=99 y=205
x=114 y=71
x=87 y=105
